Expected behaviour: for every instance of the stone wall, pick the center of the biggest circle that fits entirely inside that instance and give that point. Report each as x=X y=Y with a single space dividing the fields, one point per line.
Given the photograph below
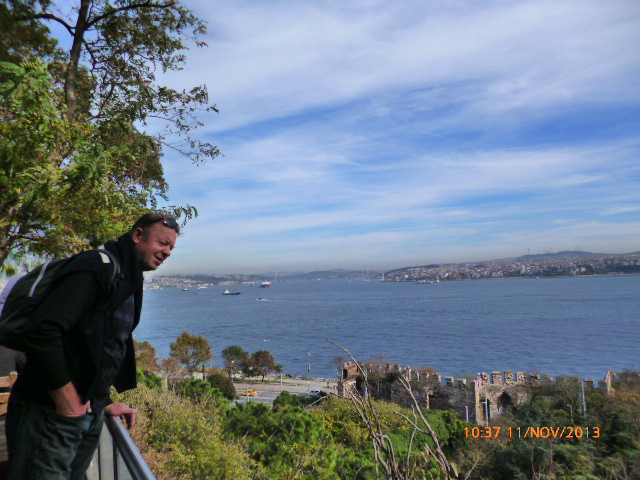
x=479 y=401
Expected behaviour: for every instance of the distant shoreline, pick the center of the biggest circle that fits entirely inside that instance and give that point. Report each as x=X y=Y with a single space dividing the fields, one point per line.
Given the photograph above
x=185 y=281
x=618 y=274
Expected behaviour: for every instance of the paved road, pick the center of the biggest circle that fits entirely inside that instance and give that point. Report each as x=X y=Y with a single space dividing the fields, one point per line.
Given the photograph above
x=268 y=391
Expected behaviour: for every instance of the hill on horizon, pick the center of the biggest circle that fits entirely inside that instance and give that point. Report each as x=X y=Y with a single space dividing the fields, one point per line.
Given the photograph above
x=565 y=254
x=573 y=254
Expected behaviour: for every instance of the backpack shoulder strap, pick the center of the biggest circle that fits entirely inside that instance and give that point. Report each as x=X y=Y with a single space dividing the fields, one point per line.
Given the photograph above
x=102 y=263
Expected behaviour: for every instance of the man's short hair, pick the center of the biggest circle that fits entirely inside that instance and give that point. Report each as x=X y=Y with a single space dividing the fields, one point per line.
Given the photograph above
x=150 y=218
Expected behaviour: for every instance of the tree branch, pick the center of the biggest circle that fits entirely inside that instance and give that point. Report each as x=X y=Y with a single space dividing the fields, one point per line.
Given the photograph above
x=441 y=458
x=131 y=7
x=89 y=49
x=413 y=434
x=74 y=60
x=46 y=16
x=381 y=442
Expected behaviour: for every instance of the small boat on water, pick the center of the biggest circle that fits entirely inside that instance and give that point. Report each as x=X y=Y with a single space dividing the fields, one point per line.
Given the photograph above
x=265 y=284
x=227 y=292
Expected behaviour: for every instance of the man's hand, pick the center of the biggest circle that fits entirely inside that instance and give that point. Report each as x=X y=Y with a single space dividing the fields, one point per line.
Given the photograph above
x=124 y=411
x=68 y=402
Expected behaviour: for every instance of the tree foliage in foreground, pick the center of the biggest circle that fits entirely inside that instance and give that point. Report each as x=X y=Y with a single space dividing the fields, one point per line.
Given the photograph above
x=610 y=452
x=330 y=440
x=180 y=439
x=78 y=159
x=306 y=437
x=289 y=443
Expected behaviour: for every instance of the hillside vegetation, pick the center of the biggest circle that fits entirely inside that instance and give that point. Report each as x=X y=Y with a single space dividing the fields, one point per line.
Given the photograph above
x=198 y=435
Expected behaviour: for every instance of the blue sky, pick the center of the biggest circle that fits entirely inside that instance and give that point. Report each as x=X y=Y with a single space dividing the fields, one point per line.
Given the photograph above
x=375 y=135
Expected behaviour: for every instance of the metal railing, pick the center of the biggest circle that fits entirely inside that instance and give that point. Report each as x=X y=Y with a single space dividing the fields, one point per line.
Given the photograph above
x=117 y=457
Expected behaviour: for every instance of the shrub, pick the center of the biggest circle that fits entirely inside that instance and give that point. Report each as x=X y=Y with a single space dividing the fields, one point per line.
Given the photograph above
x=287 y=399
x=200 y=391
x=224 y=384
x=290 y=443
x=183 y=440
x=149 y=379
x=347 y=427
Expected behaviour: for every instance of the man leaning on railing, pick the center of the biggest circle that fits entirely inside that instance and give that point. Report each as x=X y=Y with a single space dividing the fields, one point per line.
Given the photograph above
x=76 y=350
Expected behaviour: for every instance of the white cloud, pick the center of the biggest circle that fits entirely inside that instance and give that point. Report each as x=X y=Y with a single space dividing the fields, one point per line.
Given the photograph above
x=267 y=61
x=367 y=133
x=620 y=210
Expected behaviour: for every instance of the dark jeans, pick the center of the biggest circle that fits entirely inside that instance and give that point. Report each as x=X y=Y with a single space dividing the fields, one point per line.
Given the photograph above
x=46 y=446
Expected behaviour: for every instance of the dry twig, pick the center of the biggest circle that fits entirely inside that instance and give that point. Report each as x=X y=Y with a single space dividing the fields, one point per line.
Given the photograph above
x=382 y=445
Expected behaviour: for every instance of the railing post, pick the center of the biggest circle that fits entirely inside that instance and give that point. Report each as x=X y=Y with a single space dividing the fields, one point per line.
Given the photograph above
x=123 y=461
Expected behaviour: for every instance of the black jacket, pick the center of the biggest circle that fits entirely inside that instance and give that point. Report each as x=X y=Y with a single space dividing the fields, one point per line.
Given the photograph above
x=71 y=334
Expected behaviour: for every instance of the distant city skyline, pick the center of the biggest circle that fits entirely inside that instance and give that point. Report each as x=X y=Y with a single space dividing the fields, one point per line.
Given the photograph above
x=376 y=135
x=284 y=273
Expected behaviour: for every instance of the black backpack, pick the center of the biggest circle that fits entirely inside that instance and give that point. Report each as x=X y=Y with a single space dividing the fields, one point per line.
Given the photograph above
x=22 y=295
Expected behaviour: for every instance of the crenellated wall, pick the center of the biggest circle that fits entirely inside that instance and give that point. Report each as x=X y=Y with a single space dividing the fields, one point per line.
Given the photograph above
x=485 y=398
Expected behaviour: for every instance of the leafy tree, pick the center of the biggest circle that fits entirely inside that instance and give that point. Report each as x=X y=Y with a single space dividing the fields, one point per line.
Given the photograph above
x=31 y=126
x=234 y=357
x=350 y=463
x=201 y=391
x=377 y=364
x=146 y=358
x=338 y=362
x=21 y=41
x=191 y=350
x=627 y=380
x=290 y=442
x=261 y=363
x=286 y=399
x=170 y=368
x=77 y=163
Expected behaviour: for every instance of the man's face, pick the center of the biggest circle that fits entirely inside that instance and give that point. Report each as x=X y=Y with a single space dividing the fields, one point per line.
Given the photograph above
x=154 y=245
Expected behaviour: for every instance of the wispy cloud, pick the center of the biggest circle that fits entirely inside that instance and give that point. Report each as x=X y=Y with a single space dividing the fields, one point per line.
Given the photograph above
x=268 y=61
x=368 y=134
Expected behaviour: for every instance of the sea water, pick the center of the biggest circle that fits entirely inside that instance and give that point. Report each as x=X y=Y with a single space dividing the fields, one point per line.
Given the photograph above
x=573 y=326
